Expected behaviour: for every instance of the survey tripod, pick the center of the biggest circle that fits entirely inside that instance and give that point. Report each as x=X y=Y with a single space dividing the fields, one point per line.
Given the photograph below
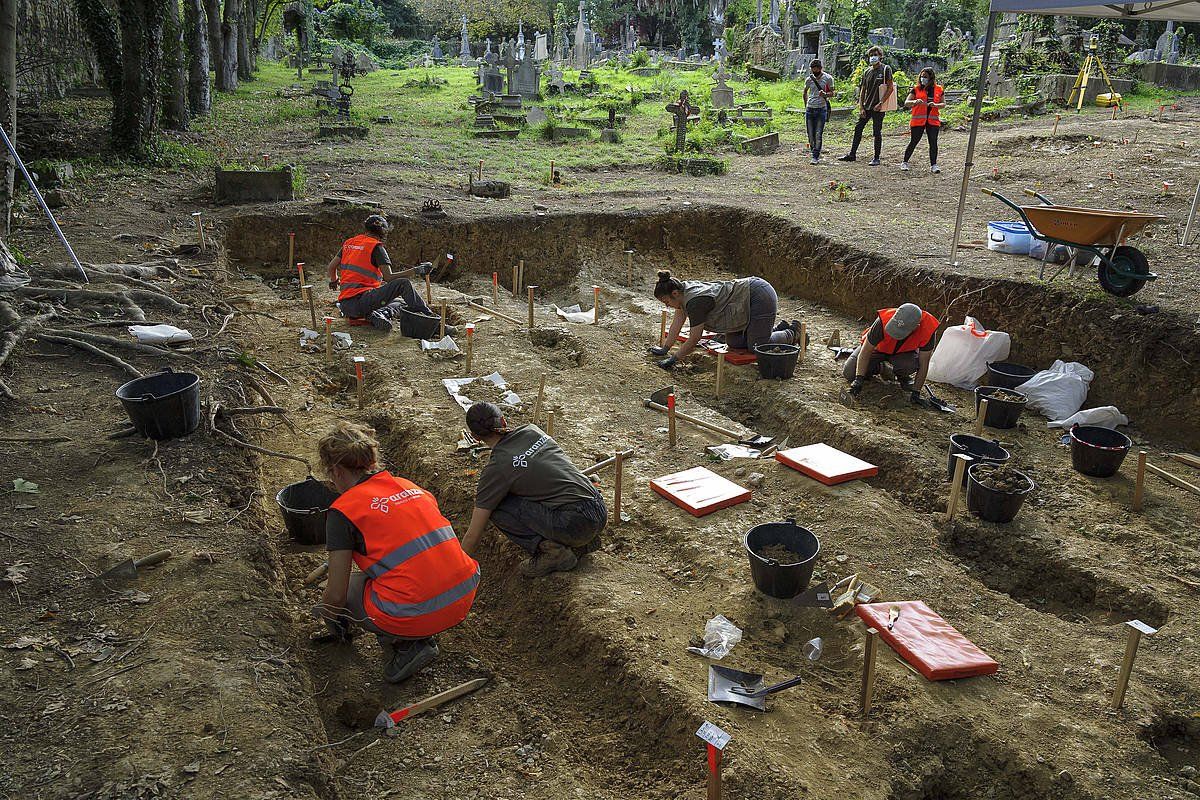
x=1091 y=65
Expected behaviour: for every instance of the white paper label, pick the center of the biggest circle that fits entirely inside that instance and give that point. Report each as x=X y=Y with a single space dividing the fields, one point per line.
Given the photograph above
x=714 y=735
x=1138 y=625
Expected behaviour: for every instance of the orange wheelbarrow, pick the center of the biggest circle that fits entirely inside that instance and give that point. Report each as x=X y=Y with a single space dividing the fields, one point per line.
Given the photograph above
x=1120 y=268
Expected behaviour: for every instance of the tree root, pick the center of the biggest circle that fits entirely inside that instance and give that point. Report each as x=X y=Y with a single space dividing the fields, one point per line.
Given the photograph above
x=91 y=348
x=113 y=341
x=130 y=297
x=13 y=336
x=217 y=409
x=282 y=412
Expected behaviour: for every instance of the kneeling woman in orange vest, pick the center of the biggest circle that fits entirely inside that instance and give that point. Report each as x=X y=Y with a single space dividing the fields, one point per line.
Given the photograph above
x=925 y=100
x=902 y=337
x=359 y=269
x=414 y=579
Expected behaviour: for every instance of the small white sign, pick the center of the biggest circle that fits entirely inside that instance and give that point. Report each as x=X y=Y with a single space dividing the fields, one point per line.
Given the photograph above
x=713 y=735
x=1138 y=625
x=359 y=359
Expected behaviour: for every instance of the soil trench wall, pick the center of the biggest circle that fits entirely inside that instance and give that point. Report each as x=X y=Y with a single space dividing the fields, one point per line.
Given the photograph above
x=1144 y=365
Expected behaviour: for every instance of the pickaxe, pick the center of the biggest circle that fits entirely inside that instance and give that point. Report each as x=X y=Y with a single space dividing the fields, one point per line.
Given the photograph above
x=658 y=402
x=389 y=719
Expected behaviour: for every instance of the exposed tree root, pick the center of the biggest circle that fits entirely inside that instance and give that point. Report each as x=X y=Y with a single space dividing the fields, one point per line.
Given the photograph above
x=126 y=344
x=216 y=411
x=10 y=338
x=91 y=348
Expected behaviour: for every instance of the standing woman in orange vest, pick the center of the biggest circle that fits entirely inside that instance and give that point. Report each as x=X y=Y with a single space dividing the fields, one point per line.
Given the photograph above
x=360 y=268
x=903 y=338
x=413 y=579
x=925 y=100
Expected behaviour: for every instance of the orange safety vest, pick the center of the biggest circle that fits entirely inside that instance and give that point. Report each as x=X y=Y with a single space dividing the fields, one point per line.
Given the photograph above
x=922 y=114
x=356 y=272
x=914 y=341
x=419 y=579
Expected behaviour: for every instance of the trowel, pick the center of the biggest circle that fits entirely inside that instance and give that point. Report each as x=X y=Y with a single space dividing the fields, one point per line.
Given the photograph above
x=129 y=568
x=938 y=403
x=727 y=685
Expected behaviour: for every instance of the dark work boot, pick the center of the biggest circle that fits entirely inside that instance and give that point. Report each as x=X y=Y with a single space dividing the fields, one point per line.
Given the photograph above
x=408 y=657
x=550 y=557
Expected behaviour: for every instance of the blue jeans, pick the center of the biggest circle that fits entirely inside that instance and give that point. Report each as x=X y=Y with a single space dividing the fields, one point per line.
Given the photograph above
x=526 y=522
x=814 y=120
x=764 y=304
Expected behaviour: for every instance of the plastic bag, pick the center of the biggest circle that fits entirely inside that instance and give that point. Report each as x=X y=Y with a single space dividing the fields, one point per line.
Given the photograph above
x=160 y=334
x=1058 y=392
x=720 y=635
x=963 y=354
x=1101 y=416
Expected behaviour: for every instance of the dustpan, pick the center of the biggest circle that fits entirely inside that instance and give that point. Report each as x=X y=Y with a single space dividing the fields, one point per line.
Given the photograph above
x=727 y=685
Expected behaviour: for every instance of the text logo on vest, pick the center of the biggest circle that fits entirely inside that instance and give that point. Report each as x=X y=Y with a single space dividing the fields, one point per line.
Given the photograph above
x=380 y=504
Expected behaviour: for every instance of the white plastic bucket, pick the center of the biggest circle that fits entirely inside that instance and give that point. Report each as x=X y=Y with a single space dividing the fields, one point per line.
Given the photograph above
x=1009 y=237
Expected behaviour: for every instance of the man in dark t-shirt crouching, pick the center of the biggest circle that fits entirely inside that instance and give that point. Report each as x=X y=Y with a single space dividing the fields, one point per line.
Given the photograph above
x=532 y=492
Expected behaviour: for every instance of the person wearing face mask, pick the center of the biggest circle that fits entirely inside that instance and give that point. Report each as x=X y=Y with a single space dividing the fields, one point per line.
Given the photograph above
x=925 y=100
x=818 y=88
x=876 y=92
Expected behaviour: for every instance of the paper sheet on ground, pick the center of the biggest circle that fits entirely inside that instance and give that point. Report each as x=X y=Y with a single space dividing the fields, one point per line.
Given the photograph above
x=727 y=452
x=446 y=348
x=455 y=385
x=575 y=314
x=311 y=340
x=160 y=334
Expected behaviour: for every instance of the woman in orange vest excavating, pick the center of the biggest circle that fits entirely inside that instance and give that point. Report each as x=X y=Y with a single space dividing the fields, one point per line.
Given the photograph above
x=902 y=337
x=360 y=268
x=925 y=100
x=413 y=579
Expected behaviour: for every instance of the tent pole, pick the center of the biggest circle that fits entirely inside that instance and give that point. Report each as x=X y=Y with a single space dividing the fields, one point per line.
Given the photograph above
x=988 y=38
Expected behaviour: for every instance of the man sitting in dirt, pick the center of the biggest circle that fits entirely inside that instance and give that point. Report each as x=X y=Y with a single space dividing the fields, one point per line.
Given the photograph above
x=900 y=341
x=360 y=269
x=532 y=492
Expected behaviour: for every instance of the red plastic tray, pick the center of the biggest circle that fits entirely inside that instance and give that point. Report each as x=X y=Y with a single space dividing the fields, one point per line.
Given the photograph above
x=826 y=464
x=928 y=642
x=699 y=491
x=738 y=357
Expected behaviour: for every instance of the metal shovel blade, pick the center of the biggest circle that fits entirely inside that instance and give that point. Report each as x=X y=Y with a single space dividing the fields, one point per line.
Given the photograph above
x=722 y=680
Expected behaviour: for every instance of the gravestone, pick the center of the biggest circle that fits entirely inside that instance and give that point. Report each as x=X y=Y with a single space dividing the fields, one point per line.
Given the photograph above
x=535 y=116
x=487 y=50
x=464 y=48
x=540 y=53
x=363 y=64
x=681 y=111
x=437 y=48
x=722 y=95
x=581 y=57
x=493 y=81
x=528 y=78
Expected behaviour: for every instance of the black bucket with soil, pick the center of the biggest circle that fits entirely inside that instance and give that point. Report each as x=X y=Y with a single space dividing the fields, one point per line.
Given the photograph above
x=777 y=360
x=418 y=326
x=163 y=406
x=1004 y=406
x=976 y=449
x=1008 y=375
x=304 y=506
x=1098 y=451
x=782 y=556
x=995 y=492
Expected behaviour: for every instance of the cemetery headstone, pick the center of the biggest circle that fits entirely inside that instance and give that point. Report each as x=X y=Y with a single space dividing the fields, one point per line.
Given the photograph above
x=464 y=48
x=528 y=78
x=722 y=95
x=540 y=52
x=581 y=58
x=437 y=48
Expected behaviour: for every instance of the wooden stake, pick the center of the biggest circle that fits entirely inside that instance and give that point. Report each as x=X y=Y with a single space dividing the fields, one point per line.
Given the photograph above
x=520 y=274
x=549 y=423
x=514 y=282
x=312 y=304
x=608 y=462
x=720 y=382
x=1160 y=112
x=480 y=170
x=358 y=374
x=959 y=467
x=551 y=172
x=1169 y=478
x=292 y=251
x=671 y=419
x=619 y=464
x=531 y=288
x=328 y=339
x=537 y=406
x=714 y=773
x=1054 y=132
x=300 y=271
x=1184 y=458
x=442 y=330
x=1140 y=486
x=1131 y=648
x=870 y=646
x=428 y=291
x=980 y=416
x=494 y=313
x=595 y=305
x=662 y=330
x=199 y=229
x=803 y=343
x=495 y=288
x=629 y=267
x=470 y=344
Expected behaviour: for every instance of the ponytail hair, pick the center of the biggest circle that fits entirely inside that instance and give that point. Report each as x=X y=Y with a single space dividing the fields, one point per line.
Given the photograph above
x=666 y=284
x=349 y=445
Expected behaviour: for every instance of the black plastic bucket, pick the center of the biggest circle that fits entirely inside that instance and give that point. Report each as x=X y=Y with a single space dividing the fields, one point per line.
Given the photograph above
x=991 y=504
x=775 y=578
x=1008 y=375
x=976 y=449
x=419 y=326
x=163 y=406
x=1098 y=451
x=777 y=360
x=303 y=506
x=1000 y=413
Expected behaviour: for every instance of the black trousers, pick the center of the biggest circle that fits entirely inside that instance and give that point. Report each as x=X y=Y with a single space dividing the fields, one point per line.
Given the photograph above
x=929 y=130
x=876 y=120
x=359 y=306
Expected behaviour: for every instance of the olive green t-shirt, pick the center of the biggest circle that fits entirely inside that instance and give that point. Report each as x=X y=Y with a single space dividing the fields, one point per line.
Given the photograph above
x=529 y=464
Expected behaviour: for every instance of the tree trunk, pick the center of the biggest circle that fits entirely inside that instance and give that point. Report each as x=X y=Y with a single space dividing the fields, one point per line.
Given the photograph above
x=212 y=11
x=141 y=45
x=8 y=106
x=227 y=74
x=175 y=74
x=101 y=26
x=196 y=34
x=245 y=36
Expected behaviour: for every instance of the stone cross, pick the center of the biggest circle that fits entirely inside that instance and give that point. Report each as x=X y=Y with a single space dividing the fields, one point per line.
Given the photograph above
x=464 y=50
x=681 y=110
x=581 y=56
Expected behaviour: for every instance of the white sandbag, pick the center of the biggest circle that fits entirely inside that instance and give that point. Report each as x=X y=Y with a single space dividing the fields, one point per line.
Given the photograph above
x=159 y=334
x=1101 y=416
x=1058 y=392
x=963 y=353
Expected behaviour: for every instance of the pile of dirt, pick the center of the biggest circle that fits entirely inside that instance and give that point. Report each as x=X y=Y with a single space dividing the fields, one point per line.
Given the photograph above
x=1005 y=396
x=780 y=553
x=481 y=391
x=1001 y=478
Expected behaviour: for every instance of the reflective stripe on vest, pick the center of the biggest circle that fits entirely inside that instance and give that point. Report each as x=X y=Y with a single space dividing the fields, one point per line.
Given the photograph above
x=914 y=341
x=406 y=551
x=356 y=272
x=430 y=606
x=922 y=114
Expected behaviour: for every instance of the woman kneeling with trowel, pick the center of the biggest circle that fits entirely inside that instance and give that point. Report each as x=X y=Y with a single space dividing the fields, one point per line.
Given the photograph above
x=532 y=492
x=414 y=579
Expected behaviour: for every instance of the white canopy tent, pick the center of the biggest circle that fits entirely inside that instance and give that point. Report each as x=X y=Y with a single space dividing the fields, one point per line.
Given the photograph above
x=1178 y=10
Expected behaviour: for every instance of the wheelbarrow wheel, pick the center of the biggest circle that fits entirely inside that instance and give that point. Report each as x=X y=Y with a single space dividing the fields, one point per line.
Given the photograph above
x=1127 y=259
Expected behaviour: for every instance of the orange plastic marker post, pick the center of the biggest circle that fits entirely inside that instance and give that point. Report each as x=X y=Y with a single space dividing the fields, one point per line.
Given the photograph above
x=470 y=344
x=671 y=419
x=495 y=288
x=358 y=374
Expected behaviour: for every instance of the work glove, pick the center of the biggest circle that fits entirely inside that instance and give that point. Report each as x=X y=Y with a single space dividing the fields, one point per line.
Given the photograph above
x=333 y=283
x=423 y=269
x=659 y=351
x=668 y=362
x=856 y=385
x=917 y=400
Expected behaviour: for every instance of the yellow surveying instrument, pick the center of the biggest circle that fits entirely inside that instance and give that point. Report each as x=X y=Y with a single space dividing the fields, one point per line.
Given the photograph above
x=1093 y=64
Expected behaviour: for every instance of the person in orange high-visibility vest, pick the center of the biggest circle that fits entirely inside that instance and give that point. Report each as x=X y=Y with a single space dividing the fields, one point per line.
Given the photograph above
x=903 y=339
x=925 y=100
x=369 y=288
x=413 y=581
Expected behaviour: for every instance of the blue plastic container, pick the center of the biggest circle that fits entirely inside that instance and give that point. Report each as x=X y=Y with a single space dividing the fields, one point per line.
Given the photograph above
x=1009 y=237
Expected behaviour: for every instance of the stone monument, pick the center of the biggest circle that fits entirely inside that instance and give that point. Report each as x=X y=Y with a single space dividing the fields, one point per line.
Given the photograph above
x=464 y=49
x=528 y=78
x=540 y=51
x=520 y=40
x=581 y=57
x=722 y=95
x=437 y=48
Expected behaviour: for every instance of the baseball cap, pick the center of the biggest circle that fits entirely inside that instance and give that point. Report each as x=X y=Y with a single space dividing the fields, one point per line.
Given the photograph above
x=906 y=320
x=484 y=419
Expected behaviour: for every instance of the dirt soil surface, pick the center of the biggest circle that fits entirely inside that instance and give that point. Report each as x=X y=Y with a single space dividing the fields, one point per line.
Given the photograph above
x=197 y=679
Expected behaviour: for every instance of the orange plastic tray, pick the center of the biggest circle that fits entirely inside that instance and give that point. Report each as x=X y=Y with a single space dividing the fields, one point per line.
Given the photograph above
x=826 y=464
x=700 y=491
x=928 y=642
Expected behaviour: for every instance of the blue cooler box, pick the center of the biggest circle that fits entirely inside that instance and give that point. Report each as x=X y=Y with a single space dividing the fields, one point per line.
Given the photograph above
x=1009 y=237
